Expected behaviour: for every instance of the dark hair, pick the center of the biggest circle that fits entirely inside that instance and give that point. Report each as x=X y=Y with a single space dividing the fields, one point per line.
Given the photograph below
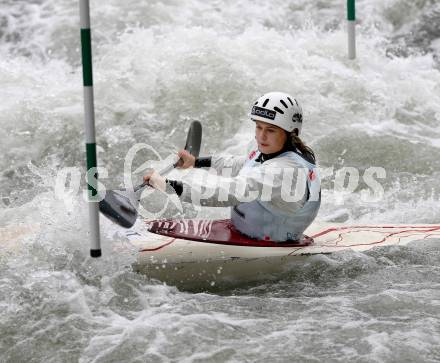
x=295 y=143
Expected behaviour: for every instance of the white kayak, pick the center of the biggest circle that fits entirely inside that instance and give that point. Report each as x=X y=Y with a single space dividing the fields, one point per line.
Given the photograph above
x=198 y=252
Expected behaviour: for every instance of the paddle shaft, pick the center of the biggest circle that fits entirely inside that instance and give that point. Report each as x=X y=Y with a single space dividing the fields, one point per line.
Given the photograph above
x=164 y=171
x=192 y=145
x=121 y=206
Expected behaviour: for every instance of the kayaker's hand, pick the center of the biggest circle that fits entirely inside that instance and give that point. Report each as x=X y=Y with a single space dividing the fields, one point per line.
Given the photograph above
x=187 y=160
x=156 y=180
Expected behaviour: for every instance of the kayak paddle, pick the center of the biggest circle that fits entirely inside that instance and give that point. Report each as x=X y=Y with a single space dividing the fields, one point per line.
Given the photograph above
x=120 y=206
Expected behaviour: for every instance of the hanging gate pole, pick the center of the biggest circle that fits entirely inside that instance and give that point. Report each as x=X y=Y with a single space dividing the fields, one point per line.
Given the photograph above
x=89 y=117
x=351 y=29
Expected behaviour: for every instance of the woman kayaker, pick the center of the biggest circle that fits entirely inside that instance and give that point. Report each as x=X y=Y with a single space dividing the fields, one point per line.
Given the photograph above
x=272 y=214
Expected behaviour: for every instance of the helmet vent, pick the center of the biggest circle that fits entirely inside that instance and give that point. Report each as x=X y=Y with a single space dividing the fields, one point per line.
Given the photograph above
x=278 y=110
x=283 y=103
x=256 y=103
x=290 y=101
x=265 y=102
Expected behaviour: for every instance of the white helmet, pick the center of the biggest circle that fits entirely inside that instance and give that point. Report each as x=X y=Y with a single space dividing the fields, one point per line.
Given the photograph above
x=279 y=109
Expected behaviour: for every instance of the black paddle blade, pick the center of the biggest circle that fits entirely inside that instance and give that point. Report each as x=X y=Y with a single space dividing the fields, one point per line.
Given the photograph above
x=194 y=138
x=118 y=208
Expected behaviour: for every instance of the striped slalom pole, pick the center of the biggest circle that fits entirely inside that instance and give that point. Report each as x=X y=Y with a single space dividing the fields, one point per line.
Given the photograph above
x=351 y=28
x=89 y=117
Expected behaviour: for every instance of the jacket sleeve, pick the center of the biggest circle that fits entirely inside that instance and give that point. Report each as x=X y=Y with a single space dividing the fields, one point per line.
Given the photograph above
x=264 y=183
x=227 y=165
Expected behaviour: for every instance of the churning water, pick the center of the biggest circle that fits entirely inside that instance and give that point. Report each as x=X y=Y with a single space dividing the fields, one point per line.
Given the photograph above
x=160 y=64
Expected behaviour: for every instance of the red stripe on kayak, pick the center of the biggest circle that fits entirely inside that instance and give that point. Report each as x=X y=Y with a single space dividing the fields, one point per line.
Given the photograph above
x=333 y=229
x=416 y=230
x=157 y=248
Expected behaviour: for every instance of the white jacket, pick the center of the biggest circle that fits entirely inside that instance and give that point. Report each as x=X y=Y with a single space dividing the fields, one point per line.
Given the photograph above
x=272 y=194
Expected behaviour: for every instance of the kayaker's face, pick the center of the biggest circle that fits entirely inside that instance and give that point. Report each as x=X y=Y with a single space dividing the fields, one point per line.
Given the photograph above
x=270 y=138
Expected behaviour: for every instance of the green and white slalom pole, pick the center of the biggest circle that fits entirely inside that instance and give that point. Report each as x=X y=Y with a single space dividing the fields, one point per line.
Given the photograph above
x=89 y=117
x=351 y=29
